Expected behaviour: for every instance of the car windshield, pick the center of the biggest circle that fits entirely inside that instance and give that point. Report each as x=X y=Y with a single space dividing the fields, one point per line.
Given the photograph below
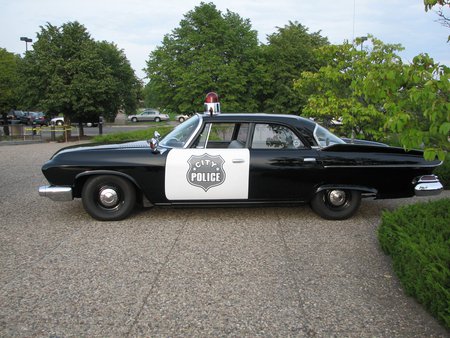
x=178 y=137
x=325 y=138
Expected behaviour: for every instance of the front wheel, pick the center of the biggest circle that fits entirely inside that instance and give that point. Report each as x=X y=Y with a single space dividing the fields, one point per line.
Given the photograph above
x=108 y=197
x=336 y=204
x=157 y=119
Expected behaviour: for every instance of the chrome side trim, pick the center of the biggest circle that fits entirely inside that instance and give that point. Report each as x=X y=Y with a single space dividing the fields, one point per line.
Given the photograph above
x=309 y=159
x=385 y=166
x=56 y=193
x=238 y=160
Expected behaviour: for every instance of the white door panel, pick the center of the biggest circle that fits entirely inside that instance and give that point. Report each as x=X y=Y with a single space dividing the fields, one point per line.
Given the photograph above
x=207 y=174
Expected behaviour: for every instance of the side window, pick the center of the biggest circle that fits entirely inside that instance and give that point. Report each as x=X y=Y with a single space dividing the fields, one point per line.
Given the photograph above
x=274 y=136
x=223 y=135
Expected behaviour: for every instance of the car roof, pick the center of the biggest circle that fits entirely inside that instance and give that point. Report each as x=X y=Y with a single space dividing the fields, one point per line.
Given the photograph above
x=297 y=121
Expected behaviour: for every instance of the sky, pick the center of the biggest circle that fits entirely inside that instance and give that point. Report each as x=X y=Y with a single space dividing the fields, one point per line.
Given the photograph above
x=138 y=26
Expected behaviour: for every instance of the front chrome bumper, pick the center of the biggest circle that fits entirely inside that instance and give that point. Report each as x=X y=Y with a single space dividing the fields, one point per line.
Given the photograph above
x=56 y=193
x=428 y=185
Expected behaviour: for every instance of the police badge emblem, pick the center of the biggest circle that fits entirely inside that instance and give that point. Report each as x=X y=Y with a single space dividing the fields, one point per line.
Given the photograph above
x=206 y=171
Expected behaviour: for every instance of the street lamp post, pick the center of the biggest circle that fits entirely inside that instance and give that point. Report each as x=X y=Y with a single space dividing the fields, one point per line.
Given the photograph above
x=363 y=38
x=26 y=39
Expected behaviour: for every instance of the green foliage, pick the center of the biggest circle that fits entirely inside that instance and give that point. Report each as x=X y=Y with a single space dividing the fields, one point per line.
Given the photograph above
x=210 y=51
x=136 y=135
x=289 y=52
x=9 y=81
x=443 y=171
x=373 y=91
x=68 y=72
x=417 y=237
x=339 y=88
x=417 y=102
x=443 y=8
x=126 y=86
x=429 y=4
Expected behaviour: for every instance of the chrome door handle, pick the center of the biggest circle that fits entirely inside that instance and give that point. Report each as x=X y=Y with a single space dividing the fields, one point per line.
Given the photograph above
x=309 y=159
x=238 y=160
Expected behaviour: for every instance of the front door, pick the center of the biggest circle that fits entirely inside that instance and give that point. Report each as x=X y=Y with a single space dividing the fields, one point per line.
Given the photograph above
x=207 y=174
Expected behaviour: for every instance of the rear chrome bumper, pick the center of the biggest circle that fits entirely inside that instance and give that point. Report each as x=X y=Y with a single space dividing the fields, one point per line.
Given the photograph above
x=428 y=185
x=56 y=193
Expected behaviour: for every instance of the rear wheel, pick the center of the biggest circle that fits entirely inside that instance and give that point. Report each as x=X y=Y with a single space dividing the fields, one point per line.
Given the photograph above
x=336 y=204
x=108 y=197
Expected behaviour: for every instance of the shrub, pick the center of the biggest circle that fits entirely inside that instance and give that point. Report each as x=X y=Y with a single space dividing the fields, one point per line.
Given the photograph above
x=443 y=172
x=417 y=237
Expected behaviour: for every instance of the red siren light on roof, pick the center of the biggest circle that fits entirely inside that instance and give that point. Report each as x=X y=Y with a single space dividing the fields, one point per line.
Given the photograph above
x=212 y=97
x=212 y=105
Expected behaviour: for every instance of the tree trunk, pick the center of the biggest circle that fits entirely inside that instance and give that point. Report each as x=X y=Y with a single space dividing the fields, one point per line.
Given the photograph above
x=5 y=124
x=81 y=129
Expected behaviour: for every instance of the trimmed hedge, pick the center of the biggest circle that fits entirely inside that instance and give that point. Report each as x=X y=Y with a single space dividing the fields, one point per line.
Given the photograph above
x=417 y=237
x=443 y=171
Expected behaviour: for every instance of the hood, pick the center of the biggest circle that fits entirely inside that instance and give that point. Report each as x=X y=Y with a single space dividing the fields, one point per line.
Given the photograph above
x=92 y=147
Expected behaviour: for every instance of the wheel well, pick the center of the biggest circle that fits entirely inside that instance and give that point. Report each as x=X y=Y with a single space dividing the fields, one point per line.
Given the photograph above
x=81 y=179
x=367 y=191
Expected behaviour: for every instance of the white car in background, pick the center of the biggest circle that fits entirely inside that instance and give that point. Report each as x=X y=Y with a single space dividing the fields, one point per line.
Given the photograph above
x=59 y=121
x=148 y=115
x=181 y=118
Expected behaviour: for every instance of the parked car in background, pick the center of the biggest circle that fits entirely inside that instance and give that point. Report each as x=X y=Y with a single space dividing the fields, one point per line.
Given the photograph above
x=148 y=115
x=39 y=118
x=11 y=117
x=33 y=118
x=17 y=116
x=24 y=118
x=59 y=121
x=181 y=118
x=237 y=159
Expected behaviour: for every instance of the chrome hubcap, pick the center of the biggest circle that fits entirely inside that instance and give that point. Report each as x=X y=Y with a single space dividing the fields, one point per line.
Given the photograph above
x=337 y=197
x=108 y=197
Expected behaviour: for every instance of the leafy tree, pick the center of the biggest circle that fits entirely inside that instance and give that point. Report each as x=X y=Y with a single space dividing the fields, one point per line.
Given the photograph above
x=68 y=72
x=375 y=92
x=9 y=82
x=443 y=7
x=337 y=89
x=126 y=86
x=289 y=52
x=416 y=100
x=209 y=51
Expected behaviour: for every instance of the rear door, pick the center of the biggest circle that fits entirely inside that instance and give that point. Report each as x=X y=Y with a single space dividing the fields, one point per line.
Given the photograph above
x=282 y=168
